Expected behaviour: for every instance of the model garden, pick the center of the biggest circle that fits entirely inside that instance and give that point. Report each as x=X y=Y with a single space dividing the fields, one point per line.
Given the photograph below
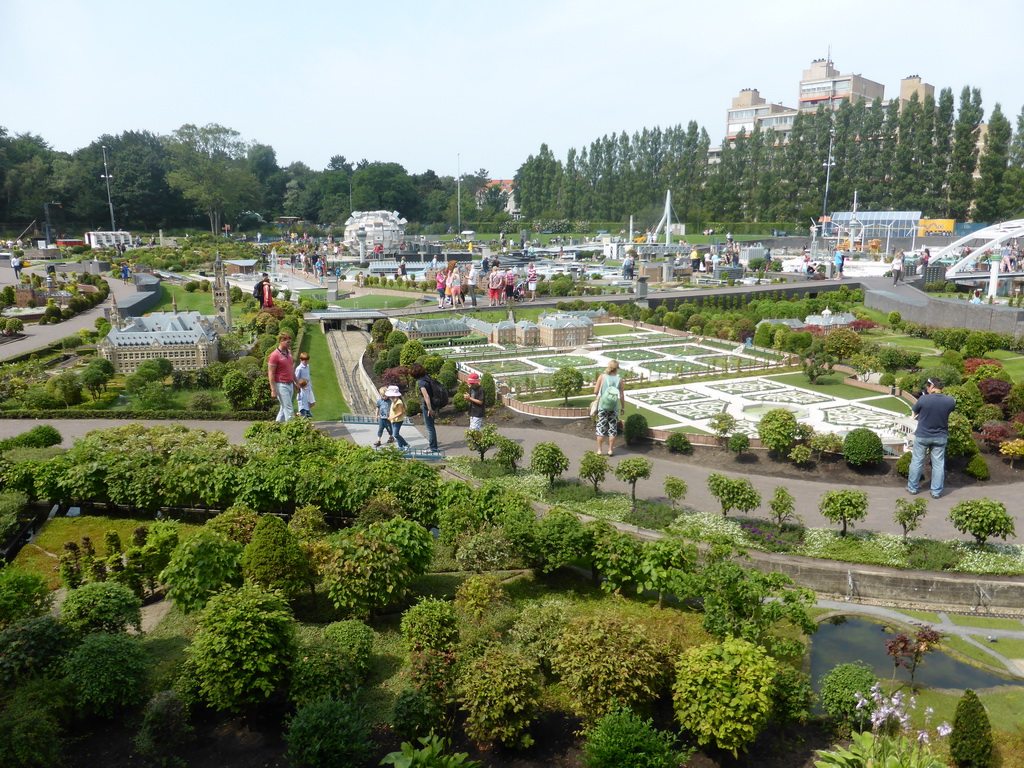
x=301 y=600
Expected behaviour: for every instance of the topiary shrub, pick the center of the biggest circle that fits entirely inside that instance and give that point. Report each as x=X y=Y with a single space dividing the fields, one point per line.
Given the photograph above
x=678 y=442
x=499 y=691
x=165 y=730
x=235 y=523
x=330 y=733
x=477 y=594
x=354 y=641
x=107 y=673
x=977 y=468
x=604 y=661
x=275 y=560
x=431 y=624
x=101 y=606
x=862 y=447
x=970 y=742
x=22 y=595
x=636 y=428
x=624 y=738
x=903 y=464
x=839 y=689
x=32 y=647
x=320 y=672
x=200 y=566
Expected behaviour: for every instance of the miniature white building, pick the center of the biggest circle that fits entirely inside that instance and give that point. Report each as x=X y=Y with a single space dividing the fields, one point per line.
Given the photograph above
x=386 y=228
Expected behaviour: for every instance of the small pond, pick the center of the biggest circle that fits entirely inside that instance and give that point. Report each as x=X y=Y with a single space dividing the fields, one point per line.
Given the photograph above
x=862 y=640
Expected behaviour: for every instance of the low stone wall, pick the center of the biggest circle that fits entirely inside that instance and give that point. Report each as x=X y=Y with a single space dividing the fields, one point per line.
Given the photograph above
x=879 y=584
x=545 y=411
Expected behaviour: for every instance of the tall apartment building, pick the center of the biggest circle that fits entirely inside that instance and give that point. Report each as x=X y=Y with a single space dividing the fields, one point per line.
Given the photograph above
x=821 y=84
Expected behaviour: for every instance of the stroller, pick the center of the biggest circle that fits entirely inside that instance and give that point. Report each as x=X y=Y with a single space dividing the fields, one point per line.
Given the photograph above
x=519 y=291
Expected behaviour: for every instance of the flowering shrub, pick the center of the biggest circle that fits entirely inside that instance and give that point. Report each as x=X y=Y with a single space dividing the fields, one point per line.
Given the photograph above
x=704 y=526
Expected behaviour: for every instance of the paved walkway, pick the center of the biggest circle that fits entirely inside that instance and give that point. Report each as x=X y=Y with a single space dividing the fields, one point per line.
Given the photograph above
x=37 y=336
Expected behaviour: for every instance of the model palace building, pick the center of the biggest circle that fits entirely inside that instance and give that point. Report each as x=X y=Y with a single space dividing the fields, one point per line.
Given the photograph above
x=189 y=340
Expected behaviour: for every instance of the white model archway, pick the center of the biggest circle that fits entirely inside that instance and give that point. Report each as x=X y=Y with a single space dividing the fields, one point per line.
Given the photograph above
x=989 y=238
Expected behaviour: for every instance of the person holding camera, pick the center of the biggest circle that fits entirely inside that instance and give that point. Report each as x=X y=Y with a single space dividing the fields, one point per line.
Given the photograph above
x=932 y=411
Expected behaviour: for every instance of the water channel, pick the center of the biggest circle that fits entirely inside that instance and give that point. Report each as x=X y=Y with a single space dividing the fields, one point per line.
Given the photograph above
x=862 y=640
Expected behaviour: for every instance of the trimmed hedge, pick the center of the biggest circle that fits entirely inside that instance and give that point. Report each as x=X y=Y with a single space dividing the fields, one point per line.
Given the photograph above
x=73 y=413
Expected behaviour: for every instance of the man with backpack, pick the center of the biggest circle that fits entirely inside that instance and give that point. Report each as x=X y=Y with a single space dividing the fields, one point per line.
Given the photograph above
x=433 y=397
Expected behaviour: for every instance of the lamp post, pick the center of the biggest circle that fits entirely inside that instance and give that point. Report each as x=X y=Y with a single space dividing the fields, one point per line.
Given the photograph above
x=458 y=193
x=828 y=164
x=110 y=202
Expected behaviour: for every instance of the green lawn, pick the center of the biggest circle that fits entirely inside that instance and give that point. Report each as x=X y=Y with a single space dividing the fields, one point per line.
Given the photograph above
x=827 y=385
x=376 y=302
x=894 y=404
x=927 y=616
x=971 y=651
x=611 y=329
x=986 y=622
x=197 y=301
x=911 y=342
x=330 y=405
x=1009 y=647
x=41 y=556
x=653 y=419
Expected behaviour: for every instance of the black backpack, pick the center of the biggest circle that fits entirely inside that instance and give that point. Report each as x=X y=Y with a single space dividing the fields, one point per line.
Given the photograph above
x=437 y=391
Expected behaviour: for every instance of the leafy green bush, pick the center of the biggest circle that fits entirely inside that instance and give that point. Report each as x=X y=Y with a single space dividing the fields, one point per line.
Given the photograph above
x=22 y=595
x=539 y=627
x=430 y=754
x=862 y=447
x=31 y=733
x=636 y=428
x=678 y=442
x=321 y=671
x=604 y=661
x=236 y=523
x=549 y=460
x=330 y=733
x=40 y=436
x=165 y=730
x=477 y=594
x=32 y=647
x=415 y=713
x=970 y=742
x=430 y=624
x=903 y=464
x=244 y=647
x=499 y=691
x=509 y=453
x=199 y=567
x=107 y=673
x=933 y=555
x=977 y=468
x=101 y=606
x=723 y=693
x=354 y=641
x=839 y=689
x=623 y=738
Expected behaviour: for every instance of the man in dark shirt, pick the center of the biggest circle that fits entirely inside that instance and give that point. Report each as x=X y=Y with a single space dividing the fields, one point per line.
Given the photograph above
x=932 y=410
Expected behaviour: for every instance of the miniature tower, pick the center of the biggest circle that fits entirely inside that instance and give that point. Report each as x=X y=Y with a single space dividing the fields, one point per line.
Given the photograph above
x=174 y=304
x=115 y=315
x=221 y=292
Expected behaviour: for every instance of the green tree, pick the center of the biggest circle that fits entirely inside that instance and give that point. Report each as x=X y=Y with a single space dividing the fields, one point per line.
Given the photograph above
x=631 y=470
x=992 y=165
x=965 y=153
x=482 y=440
x=843 y=506
x=661 y=563
x=548 y=459
x=817 y=361
x=208 y=168
x=499 y=691
x=842 y=343
x=243 y=648
x=909 y=514
x=593 y=468
x=722 y=424
x=777 y=430
x=101 y=606
x=723 y=693
x=675 y=489
x=738 y=443
x=736 y=494
x=982 y=518
x=23 y=595
x=566 y=382
x=782 y=507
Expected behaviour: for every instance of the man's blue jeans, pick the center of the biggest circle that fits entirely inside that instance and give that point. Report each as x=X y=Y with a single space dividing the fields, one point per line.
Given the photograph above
x=428 y=422
x=938 y=451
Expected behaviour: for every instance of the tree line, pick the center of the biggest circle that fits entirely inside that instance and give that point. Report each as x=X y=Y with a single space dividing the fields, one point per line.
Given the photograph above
x=935 y=155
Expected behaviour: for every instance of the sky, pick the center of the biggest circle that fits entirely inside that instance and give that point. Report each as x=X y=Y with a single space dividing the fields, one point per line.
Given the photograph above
x=454 y=85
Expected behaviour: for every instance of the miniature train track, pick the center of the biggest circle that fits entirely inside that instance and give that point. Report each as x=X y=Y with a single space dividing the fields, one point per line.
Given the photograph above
x=347 y=353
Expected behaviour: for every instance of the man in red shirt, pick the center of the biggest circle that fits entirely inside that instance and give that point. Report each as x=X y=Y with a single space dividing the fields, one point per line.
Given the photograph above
x=281 y=374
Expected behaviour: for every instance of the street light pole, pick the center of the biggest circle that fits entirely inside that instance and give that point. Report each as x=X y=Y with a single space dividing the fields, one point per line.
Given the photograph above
x=458 y=192
x=828 y=177
x=110 y=202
